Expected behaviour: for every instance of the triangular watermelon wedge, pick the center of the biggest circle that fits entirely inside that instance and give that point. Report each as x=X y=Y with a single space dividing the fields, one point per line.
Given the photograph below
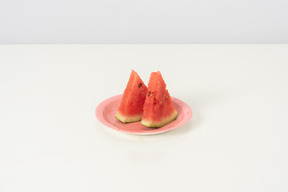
x=158 y=107
x=131 y=105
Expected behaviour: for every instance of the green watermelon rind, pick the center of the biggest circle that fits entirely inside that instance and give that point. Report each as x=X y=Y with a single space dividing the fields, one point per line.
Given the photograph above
x=154 y=124
x=128 y=119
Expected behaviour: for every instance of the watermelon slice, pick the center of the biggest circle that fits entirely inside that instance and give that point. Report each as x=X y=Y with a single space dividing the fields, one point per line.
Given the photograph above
x=158 y=107
x=131 y=105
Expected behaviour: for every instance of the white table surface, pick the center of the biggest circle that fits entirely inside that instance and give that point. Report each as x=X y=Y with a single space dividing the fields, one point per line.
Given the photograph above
x=50 y=139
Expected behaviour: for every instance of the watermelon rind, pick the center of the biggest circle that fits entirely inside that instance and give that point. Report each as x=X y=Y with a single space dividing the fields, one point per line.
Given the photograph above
x=157 y=124
x=128 y=119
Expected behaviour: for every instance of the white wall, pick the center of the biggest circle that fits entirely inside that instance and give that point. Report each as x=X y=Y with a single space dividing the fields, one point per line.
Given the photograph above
x=143 y=21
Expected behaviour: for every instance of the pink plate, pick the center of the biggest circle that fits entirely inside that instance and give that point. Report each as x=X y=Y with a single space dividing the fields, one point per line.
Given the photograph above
x=106 y=110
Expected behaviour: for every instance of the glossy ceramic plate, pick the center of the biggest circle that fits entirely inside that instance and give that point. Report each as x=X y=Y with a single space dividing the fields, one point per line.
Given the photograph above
x=106 y=110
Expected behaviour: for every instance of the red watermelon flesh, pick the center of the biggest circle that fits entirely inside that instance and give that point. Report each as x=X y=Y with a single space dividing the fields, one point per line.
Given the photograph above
x=131 y=105
x=158 y=107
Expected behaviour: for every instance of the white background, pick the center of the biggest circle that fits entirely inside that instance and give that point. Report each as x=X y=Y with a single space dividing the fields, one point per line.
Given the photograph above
x=236 y=140
x=143 y=21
